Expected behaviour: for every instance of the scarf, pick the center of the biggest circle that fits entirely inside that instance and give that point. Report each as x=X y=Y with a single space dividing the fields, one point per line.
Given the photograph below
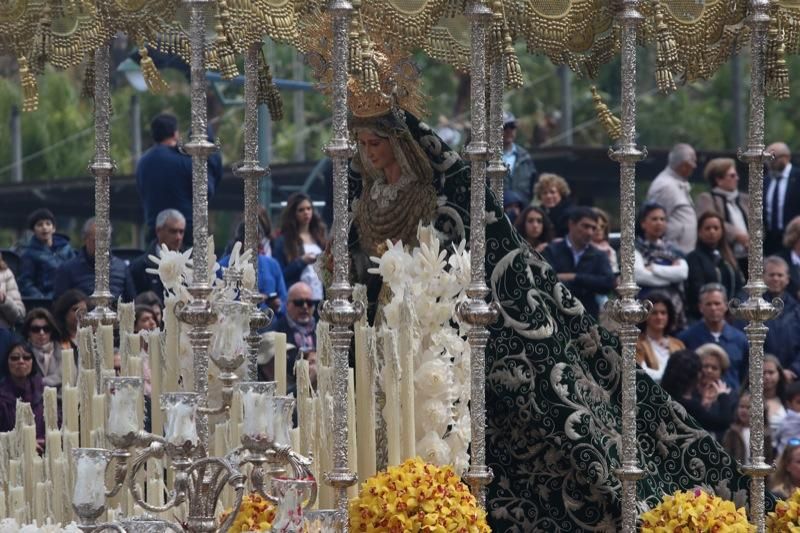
x=733 y=211
x=302 y=334
x=656 y=252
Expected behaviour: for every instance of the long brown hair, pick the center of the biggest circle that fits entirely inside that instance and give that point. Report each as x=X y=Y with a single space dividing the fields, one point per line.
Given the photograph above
x=548 y=231
x=293 y=245
x=724 y=248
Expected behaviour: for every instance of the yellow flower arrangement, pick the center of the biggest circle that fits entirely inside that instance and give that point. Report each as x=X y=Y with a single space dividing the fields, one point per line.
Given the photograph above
x=695 y=511
x=255 y=514
x=416 y=496
x=786 y=516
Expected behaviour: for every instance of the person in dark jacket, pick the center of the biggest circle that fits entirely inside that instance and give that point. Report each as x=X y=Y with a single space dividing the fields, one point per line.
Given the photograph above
x=170 y=231
x=783 y=336
x=44 y=254
x=164 y=175
x=712 y=261
x=78 y=272
x=522 y=173
x=584 y=269
x=21 y=380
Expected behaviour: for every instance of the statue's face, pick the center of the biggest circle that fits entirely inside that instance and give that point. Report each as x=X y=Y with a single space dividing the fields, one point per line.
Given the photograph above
x=378 y=150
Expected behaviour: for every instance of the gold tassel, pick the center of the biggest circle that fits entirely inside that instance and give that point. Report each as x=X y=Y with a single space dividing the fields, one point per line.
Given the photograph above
x=30 y=90
x=513 y=68
x=226 y=61
x=268 y=92
x=777 y=73
x=354 y=57
x=610 y=123
x=88 y=79
x=152 y=77
x=666 y=55
x=369 y=69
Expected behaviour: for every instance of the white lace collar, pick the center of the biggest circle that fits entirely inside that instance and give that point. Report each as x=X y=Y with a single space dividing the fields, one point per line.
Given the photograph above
x=385 y=193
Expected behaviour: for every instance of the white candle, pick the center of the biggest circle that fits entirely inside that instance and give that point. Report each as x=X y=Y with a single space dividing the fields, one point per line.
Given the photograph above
x=256 y=417
x=53 y=446
x=17 y=504
x=391 y=411
x=172 y=329
x=106 y=334
x=50 y=408
x=98 y=418
x=69 y=374
x=406 y=352
x=122 y=411
x=280 y=362
x=365 y=404
x=156 y=379
x=280 y=409
x=42 y=491
x=179 y=426
x=352 y=449
x=90 y=475
x=69 y=399
x=127 y=317
x=86 y=388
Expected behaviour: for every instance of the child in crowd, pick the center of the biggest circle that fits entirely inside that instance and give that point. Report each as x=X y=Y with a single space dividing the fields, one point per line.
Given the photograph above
x=737 y=439
x=790 y=427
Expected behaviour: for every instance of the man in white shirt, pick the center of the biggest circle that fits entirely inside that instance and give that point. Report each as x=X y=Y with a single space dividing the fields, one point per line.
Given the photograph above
x=672 y=191
x=781 y=196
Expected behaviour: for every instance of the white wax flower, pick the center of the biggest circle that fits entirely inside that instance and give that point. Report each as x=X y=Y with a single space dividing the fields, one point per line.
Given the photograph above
x=172 y=266
x=179 y=425
x=122 y=418
x=433 y=377
x=248 y=276
x=433 y=449
x=393 y=265
x=90 y=478
x=432 y=414
x=256 y=417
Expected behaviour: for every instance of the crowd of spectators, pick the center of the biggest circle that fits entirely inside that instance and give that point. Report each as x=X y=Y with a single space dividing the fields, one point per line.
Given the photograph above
x=690 y=260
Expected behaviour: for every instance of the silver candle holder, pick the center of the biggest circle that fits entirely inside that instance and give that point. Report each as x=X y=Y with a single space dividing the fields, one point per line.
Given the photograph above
x=89 y=492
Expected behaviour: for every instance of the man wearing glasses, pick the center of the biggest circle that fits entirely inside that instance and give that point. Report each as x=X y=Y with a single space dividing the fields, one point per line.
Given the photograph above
x=781 y=196
x=300 y=328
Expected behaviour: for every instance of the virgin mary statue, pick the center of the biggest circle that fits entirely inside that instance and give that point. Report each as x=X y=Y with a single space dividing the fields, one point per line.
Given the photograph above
x=552 y=374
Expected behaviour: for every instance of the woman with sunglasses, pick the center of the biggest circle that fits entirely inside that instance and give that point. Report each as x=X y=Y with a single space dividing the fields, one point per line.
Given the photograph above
x=39 y=329
x=21 y=379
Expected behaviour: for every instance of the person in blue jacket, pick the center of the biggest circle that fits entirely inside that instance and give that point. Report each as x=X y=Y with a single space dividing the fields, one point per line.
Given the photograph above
x=164 y=175
x=42 y=256
x=78 y=272
x=270 y=277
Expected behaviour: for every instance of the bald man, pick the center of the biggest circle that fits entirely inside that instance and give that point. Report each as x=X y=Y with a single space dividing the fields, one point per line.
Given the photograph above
x=781 y=196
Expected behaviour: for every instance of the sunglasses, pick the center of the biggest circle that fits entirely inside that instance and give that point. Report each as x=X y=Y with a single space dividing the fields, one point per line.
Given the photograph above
x=794 y=441
x=15 y=358
x=40 y=329
x=301 y=302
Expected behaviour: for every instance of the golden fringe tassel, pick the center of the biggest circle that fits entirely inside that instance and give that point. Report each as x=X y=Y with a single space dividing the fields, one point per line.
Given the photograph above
x=369 y=71
x=610 y=123
x=513 y=68
x=30 y=89
x=87 y=91
x=226 y=60
x=268 y=92
x=152 y=76
x=666 y=55
x=777 y=73
x=354 y=56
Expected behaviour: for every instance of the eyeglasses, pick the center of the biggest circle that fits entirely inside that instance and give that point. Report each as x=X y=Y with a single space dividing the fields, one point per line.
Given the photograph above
x=40 y=329
x=301 y=302
x=15 y=358
x=794 y=441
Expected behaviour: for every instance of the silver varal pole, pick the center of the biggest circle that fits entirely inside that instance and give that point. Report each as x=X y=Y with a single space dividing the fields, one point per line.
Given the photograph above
x=338 y=309
x=198 y=313
x=251 y=172
x=102 y=168
x=755 y=310
x=627 y=310
x=475 y=311
x=497 y=169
